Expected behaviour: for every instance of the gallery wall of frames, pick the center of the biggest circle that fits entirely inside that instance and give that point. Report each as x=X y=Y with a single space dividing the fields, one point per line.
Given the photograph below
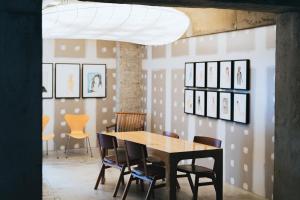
x=218 y=89
x=72 y=80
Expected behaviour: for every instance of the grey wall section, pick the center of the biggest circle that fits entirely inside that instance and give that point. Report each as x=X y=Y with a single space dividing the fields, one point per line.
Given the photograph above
x=21 y=105
x=287 y=108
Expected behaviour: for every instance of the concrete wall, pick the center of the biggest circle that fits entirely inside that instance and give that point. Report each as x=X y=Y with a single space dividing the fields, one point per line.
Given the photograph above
x=248 y=161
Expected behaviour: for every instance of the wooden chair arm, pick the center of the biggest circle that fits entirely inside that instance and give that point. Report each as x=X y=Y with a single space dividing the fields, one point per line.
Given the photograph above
x=108 y=128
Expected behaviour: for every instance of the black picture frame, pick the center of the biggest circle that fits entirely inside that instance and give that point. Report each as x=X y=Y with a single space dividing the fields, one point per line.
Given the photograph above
x=83 y=81
x=208 y=76
x=196 y=101
x=247 y=76
x=196 y=74
x=221 y=77
x=192 y=65
x=56 y=79
x=216 y=104
x=247 y=108
x=193 y=101
x=229 y=103
x=52 y=67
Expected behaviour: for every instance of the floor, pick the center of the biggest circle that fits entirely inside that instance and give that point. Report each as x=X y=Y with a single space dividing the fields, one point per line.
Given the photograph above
x=74 y=178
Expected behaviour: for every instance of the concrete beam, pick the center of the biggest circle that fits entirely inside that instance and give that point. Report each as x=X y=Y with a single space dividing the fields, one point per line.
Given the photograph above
x=254 y=5
x=287 y=108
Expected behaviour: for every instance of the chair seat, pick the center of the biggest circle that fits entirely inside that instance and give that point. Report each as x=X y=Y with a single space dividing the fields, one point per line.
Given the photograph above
x=48 y=137
x=113 y=160
x=155 y=160
x=79 y=135
x=196 y=169
x=153 y=171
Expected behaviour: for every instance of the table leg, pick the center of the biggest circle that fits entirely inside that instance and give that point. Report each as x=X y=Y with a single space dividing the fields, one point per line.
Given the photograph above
x=219 y=175
x=171 y=177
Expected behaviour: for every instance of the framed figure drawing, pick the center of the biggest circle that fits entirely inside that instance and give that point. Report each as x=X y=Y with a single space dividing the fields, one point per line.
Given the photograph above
x=189 y=101
x=242 y=74
x=212 y=104
x=200 y=98
x=225 y=105
x=189 y=75
x=226 y=75
x=47 y=87
x=93 y=80
x=67 y=83
x=212 y=74
x=241 y=108
x=200 y=74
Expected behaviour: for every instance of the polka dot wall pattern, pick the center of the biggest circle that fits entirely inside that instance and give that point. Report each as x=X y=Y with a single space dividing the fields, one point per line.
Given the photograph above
x=179 y=122
x=69 y=48
x=106 y=49
x=61 y=128
x=239 y=155
x=144 y=92
x=158 y=101
x=106 y=107
x=180 y=48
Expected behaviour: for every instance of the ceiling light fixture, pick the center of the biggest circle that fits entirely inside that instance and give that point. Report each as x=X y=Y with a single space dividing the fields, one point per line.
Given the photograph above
x=147 y=25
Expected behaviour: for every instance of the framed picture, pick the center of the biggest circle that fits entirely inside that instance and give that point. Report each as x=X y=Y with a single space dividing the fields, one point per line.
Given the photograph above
x=189 y=101
x=47 y=87
x=242 y=74
x=200 y=105
x=93 y=80
x=225 y=105
x=212 y=104
x=212 y=74
x=200 y=76
x=189 y=75
x=241 y=108
x=226 y=75
x=67 y=82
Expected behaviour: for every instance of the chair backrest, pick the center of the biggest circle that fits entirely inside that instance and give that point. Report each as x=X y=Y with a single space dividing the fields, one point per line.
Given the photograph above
x=170 y=134
x=136 y=154
x=76 y=122
x=126 y=121
x=45 y=120
x=208 y=141
x=106 y=142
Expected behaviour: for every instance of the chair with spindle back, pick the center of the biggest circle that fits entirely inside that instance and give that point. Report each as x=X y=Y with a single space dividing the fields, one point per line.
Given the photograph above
x=200 y=171
x=137 y=154
x=127 y=121
x=116 y=159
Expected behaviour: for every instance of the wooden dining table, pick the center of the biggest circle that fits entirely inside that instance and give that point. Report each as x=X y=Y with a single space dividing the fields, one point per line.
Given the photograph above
x=175 y=151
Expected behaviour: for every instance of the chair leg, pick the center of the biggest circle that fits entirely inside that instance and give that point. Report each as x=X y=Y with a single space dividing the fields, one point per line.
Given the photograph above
x=195 y=191
x=190 y=182
x=100 y=176
x=119 y=182
x=88 y=139
x=142 y=185
x=150 y=189
x=177 y=185
x=127 y=188
x=103 y=177
x=47 y=147
x=67 y=147
x=123 y=180
x=86 y=145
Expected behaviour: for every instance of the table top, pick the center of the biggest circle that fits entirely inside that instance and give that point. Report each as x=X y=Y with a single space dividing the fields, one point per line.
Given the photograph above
x=160 y=142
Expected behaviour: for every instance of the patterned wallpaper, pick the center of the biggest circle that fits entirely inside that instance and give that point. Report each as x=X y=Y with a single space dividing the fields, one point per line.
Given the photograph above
x=248 y=149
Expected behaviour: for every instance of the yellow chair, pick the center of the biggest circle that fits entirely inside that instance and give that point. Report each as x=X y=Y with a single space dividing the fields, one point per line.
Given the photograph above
x=46 y=137
x=77 y=124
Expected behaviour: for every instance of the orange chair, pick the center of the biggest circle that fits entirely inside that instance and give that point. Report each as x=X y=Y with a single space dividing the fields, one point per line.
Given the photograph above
x=46 y=137
x=77 y=124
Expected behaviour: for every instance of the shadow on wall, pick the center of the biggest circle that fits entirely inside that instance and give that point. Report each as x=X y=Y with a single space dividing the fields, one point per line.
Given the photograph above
x=269 y=134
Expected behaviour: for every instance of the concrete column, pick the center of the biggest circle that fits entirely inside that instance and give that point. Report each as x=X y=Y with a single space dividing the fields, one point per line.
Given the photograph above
x=287 y=108
x=129 y=70
x=20 y=101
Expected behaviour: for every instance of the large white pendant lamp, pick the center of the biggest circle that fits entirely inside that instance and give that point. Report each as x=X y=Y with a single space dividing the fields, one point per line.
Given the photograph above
x=147 y=25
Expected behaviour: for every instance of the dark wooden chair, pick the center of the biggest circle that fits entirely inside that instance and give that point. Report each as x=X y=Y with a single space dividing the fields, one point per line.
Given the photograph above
x=116 y=160
x=170 y=134
x=144 y=171
x=126 y=121
x=200 y=171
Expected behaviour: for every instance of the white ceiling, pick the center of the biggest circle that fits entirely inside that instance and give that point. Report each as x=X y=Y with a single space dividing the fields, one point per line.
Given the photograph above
x=147 y=25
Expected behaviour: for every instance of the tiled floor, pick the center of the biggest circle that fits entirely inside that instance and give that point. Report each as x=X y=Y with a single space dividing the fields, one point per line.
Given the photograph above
x=74 y=179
